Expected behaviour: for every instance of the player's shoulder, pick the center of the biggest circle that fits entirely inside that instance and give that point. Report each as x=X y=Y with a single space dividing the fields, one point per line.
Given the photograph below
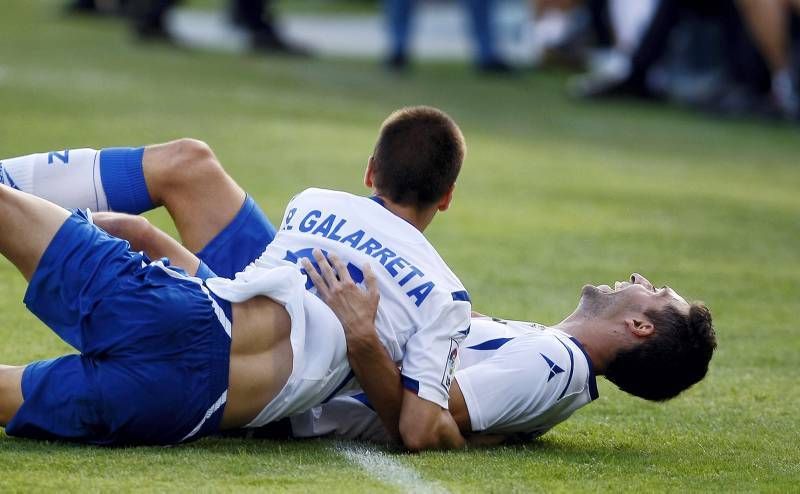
x=565 y=361
x=547 y=354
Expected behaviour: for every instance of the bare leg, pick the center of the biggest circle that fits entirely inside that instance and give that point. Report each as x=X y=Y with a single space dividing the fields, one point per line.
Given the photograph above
x=27 y=226
x=10 y=392
x=185 y=177
x=145 y=237
x=768 y=22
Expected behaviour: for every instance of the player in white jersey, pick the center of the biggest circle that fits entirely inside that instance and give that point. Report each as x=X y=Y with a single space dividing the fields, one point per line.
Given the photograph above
x=206 y=206
x=423 y=312
x=425 y=309
x=518 y=380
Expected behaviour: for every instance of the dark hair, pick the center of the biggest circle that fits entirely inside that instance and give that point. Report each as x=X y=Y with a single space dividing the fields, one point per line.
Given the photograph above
x=418 y=156
x=671 y=360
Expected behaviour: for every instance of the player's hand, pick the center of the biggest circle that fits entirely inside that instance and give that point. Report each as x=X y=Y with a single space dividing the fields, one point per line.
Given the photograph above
x=355 y=307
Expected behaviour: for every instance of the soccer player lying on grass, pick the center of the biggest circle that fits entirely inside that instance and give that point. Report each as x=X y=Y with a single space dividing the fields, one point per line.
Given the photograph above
x=157 y=362
x=517 y=380
x=186 y=178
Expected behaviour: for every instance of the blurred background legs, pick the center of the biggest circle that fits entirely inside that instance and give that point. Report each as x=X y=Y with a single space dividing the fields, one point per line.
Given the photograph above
x=257 y=18
x=769 y=21
x=399 y=18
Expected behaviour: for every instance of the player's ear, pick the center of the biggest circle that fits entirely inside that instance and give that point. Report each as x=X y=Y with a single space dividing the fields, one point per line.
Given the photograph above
x=640 y=327
x=369 y=173
x=444 y=202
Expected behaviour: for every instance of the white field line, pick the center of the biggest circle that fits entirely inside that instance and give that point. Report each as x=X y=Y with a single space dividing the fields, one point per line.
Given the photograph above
x=386 y=469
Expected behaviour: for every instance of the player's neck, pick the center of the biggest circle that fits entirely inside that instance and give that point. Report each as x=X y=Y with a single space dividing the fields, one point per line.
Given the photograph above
x=594 y=337
x=419 y=219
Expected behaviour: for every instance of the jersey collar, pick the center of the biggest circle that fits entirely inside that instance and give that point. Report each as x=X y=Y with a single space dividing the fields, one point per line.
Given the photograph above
x=383 y=203
x=592 y=377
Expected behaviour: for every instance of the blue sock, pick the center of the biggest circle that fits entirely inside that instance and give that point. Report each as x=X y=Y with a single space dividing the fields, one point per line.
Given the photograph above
x=123 y=180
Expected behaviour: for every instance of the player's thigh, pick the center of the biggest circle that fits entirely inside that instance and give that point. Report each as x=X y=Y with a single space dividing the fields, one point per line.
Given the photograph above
x=82 y=267
x=60 y=401
x=114 y=401
x=27 y=227
x=186 y=177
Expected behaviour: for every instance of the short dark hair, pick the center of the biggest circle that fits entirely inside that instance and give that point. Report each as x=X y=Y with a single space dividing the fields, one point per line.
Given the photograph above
x=670 y=361
x=418 y=156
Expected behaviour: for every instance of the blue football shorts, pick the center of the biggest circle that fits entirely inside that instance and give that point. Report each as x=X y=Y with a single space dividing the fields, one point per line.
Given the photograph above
x=238 y=244
x=154 y=346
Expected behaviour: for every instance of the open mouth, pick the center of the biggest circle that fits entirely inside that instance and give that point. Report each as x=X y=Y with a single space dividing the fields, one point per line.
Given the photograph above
x=618 y=285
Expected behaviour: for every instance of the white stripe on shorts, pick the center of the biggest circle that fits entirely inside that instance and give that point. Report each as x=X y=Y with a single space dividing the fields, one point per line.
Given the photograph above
x=226 y=325
x=217 y=404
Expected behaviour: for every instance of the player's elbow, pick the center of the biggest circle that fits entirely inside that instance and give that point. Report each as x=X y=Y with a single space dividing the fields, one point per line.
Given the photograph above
x=416 y=439
x=417 y=435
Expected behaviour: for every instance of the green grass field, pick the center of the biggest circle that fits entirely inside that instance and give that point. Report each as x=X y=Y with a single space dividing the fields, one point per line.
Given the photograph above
x=554 y=194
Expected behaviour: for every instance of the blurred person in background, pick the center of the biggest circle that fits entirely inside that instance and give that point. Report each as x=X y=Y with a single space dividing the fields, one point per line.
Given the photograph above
x=560 y=29
x=257 y=18
x=254 y=16
x=769 y=21
x=100 y=7
x=700 y=54
x=574 y=30
x=148 y=18
x=399 y=15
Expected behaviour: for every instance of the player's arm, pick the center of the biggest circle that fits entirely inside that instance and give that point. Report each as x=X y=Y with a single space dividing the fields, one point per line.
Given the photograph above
x=356 y=309
x=428 y=367
x=458 y=409
x=420 y=423
x=426 y=425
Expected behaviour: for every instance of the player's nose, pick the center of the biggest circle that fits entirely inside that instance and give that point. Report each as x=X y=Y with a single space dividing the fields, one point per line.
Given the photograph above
x=638 y=279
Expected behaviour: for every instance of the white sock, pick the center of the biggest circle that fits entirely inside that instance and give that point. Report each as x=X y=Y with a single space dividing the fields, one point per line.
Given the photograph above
x=69 y=178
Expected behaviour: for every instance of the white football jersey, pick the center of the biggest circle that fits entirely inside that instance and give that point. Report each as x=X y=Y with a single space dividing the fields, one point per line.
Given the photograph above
x=424 y=310
x=517 y=378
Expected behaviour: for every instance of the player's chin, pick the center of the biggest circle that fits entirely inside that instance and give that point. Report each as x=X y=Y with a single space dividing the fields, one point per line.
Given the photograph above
x=590 y=291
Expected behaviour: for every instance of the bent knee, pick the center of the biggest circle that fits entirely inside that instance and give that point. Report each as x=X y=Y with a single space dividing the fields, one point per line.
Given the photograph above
x=193 y=159
x=189 y=149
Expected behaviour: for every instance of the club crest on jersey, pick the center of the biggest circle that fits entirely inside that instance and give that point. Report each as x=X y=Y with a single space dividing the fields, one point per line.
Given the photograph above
x=450 y=365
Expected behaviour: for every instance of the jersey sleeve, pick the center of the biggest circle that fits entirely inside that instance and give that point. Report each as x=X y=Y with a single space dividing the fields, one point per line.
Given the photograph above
x=523 y=380
x=431 y=355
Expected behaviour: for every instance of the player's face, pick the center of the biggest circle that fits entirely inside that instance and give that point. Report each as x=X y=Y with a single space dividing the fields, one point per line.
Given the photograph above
x=636 y=294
